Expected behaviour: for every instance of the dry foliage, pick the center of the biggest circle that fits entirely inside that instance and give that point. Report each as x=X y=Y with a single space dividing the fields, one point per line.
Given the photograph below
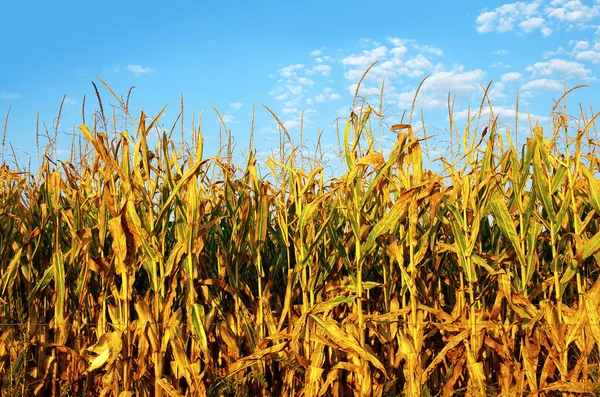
x=135 y=273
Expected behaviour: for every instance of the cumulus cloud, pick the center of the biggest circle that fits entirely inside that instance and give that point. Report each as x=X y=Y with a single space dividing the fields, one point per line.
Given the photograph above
x=315 y=53
x=291 y=124
x=366 y=58
x=305 y=81
x=542 y=84
x=138 y=69
x=503 y=18
x=535 y=23
x=512 y=76
x=572 y=11
x=497 y=90
x=326 y=96
x=456 y=83
x=399 y=47
x=557 y=65
x=364 y=90
x=236 y=105
x=416 y=66
x=589 y=55
x=290 y=71
x=324 y=70
x=579 y=45
x=584 y=51
x=530 y=16
x=383 y=70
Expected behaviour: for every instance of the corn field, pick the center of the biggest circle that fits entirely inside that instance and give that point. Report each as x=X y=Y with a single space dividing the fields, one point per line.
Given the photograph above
x=145 y=269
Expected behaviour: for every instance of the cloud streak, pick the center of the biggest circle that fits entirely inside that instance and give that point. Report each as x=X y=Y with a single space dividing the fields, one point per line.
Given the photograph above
x=139 y=70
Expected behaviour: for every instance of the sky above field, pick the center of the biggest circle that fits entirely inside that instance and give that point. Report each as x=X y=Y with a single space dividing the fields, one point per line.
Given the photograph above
x=294 y=57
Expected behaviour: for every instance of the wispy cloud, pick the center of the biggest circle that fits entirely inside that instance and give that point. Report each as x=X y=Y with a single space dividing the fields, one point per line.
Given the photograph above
x=552 y=53
x=236 y=105
x=505 y=114
x=499 y=65
x=5 y=95
x=326 y=96
x=138 y=69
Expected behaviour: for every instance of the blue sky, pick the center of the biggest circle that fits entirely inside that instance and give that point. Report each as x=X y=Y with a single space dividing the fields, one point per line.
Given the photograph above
x=293 y=57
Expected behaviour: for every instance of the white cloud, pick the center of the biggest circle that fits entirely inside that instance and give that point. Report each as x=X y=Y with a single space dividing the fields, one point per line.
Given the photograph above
x=506 y=115
x=364 y=90
x=399 y=46
x=9 y=95
x=71 y=101
x=542 y=84
x=504 y=18
x=315 y=53
x=557 y=65
x=416 y=66
x=425 y=100
x=324 y=70
x=137 y=69
x=512 y=76
x=584 y=51
x=573 y=11
x=398 y=52
x=428 y=49
x=305 y=81
x=290 y=71
x=589 y=55
x=325 y=97
x=497 y=90
x=288 y=110
x=291 y=124
x=551 y=53
x=236 y=105
x=485 y=20
x=530 y=16
x=227 y=118
x=501 y=52
x=579 y=45
x=382 y=70
x=294 y=89
x=499 y=65
x=534 y=23
x=320 y=98
x=366 y=58
x=396 y=41
x=456 y=83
